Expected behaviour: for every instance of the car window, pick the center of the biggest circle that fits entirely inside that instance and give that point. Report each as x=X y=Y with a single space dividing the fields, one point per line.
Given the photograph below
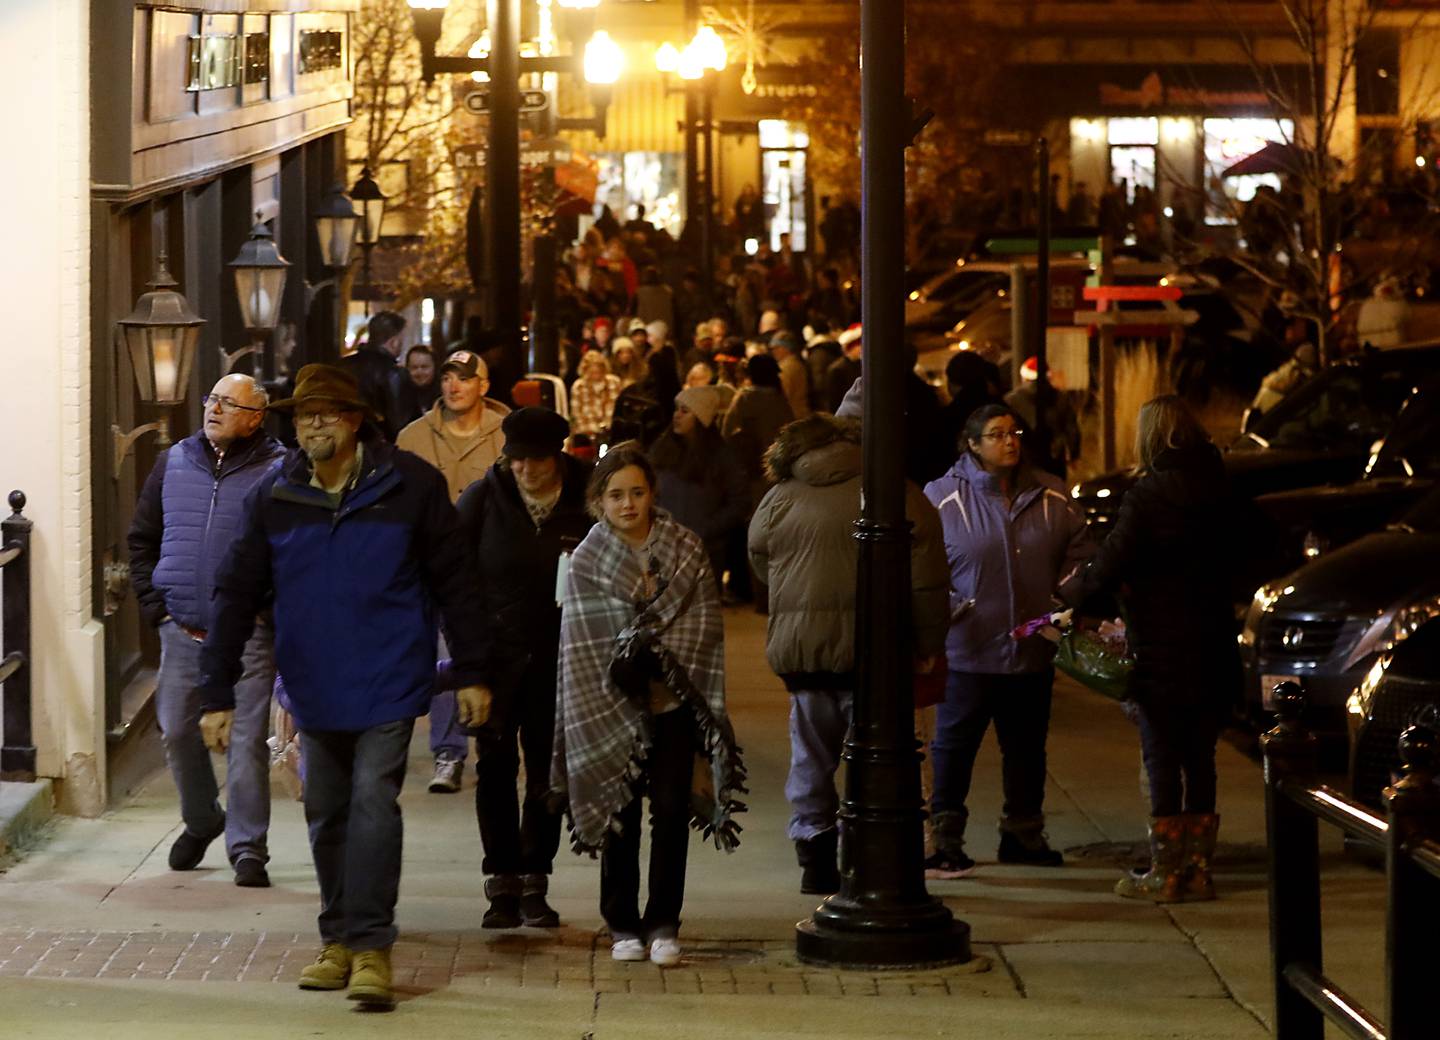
x=1412 y=448
x=1344 y=409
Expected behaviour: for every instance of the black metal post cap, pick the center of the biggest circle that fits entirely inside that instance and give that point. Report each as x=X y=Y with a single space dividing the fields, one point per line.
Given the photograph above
x=1419 y=745
x=1289 y=701
x=17 y=501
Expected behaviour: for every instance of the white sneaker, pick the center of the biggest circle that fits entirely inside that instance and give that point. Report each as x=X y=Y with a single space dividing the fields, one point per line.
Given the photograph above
x=449 y=773
x=665 y=951
x=627 y=950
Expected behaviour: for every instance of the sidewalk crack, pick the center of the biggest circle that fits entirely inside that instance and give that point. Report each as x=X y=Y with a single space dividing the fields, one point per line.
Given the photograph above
x=1192 y=937
x=143 y=860
x=1014 y=975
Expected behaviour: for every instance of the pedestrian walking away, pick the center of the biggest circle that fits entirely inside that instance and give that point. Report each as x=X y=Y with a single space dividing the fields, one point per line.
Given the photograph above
x=356 y=544
x=460 y=436
x=641 y=707
x=375 y=366
x=189 y=512
x=702 y=484
x=1167 y=557
x=1013 y=537
x=802 y=544
x=523 y=519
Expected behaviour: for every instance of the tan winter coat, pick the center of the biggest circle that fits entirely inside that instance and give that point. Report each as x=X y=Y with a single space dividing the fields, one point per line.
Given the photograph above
x=463 y=460
x=802 y=544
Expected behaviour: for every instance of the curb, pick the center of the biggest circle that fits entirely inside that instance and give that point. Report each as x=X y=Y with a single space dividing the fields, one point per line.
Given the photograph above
x=25 y=808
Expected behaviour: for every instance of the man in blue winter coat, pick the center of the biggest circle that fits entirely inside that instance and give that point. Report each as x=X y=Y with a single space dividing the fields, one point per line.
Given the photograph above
x=356 y=544
x=189 y=512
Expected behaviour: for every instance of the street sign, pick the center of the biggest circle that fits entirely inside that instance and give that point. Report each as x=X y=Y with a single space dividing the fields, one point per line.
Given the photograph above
x=477 y=102
x=1011 y=138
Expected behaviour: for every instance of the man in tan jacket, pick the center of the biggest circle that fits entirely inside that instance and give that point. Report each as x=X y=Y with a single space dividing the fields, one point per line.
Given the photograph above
x=460 y=436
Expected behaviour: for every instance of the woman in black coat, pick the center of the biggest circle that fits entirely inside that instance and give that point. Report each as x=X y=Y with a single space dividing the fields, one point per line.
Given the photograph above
x=1168 y=558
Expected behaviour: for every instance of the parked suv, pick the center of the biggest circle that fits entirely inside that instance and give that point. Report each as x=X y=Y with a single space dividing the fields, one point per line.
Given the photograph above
x=1328 y=622
x=1403 y=468
x=1401 y=687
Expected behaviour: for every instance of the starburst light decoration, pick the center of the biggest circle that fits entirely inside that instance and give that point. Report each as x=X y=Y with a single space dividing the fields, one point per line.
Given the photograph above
x=747 y=34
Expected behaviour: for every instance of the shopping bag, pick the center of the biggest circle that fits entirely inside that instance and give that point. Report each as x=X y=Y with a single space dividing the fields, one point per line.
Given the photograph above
x=1095 y=662
x=286 y=770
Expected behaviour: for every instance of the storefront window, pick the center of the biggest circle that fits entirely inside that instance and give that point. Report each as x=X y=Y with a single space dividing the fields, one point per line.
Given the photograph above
x=1227 y=141
x=649 y=179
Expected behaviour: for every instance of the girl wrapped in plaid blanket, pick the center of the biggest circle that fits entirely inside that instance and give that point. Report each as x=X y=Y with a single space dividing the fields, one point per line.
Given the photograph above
x=641 y=705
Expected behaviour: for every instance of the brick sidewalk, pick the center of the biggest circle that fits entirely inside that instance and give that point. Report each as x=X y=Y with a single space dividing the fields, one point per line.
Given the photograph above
x=570 y=959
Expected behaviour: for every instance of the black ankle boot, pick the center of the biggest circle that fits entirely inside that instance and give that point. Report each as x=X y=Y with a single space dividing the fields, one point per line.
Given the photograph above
x=503 y=891
x=534 y=910
x=818 y=873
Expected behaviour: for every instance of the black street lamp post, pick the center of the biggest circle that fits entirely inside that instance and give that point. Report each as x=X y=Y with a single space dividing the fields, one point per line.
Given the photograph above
x=372 y=201
x=504 y=66
x=883 y=916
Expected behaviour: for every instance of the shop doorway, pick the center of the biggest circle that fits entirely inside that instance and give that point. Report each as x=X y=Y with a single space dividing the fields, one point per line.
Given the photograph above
x=784 y=175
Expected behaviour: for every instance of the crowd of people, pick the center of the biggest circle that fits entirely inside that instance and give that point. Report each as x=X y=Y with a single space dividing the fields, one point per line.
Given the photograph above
x=572 y=599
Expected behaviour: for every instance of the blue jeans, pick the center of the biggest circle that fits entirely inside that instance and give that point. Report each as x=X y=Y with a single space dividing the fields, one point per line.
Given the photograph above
x=819 y=720
x=1177 y=742
x=247 y=778
x=1020 y=707
x=352 y=804
x=447 y=738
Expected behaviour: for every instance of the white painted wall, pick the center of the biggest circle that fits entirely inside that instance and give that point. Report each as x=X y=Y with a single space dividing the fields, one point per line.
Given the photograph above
x=44 y=374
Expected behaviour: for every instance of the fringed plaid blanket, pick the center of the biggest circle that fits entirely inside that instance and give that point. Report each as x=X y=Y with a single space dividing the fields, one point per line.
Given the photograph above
x=602 y=731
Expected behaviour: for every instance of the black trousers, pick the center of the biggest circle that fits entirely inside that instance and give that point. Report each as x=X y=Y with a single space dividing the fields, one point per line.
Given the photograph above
x=1019 y=705
x=667 y=782
x=1177 y=743
x=518 y=839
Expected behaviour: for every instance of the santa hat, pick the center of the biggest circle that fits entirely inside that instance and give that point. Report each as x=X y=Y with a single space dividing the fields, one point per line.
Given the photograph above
x=849 y=336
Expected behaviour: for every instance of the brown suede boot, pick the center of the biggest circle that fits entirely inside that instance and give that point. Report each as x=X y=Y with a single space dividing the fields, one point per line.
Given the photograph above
x=1164 y=882
x=1201 y=830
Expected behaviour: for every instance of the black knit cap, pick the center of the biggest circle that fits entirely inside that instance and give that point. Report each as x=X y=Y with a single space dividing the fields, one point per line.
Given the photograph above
x=534 y=433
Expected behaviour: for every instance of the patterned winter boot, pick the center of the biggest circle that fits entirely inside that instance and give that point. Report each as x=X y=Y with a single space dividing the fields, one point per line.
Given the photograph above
x=1201 y=830
x=1164 y=882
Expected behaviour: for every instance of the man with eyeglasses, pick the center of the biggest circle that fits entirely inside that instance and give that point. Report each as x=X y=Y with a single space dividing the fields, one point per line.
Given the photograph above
x=189 y=512
x=357 y=545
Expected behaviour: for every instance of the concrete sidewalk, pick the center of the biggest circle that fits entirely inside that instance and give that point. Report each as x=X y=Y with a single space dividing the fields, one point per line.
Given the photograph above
x=95 y=931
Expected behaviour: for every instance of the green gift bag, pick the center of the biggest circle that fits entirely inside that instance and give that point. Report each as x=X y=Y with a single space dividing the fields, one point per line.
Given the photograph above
x=1093 y=662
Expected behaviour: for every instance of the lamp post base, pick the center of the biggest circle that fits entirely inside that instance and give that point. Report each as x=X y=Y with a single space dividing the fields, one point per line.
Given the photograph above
x=919 y=945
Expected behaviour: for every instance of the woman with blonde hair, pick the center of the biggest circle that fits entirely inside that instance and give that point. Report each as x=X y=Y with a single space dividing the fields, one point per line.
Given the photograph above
x=1167 y=557
x=641 y=705
x=593 y=395
x=626 y=362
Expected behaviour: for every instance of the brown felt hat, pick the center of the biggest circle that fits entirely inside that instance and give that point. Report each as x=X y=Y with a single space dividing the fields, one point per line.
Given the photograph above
x=325 y=383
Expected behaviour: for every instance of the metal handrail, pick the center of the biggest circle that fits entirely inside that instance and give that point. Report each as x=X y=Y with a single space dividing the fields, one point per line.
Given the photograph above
x=1348 y=1014
x=1339 y=809
x=11 y=664
x=1410 y=837
x=17 y=743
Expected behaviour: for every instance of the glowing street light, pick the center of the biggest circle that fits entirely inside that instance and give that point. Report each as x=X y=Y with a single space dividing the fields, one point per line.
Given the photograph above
x=667 y=58
x=604 y=60
x=710 y=48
